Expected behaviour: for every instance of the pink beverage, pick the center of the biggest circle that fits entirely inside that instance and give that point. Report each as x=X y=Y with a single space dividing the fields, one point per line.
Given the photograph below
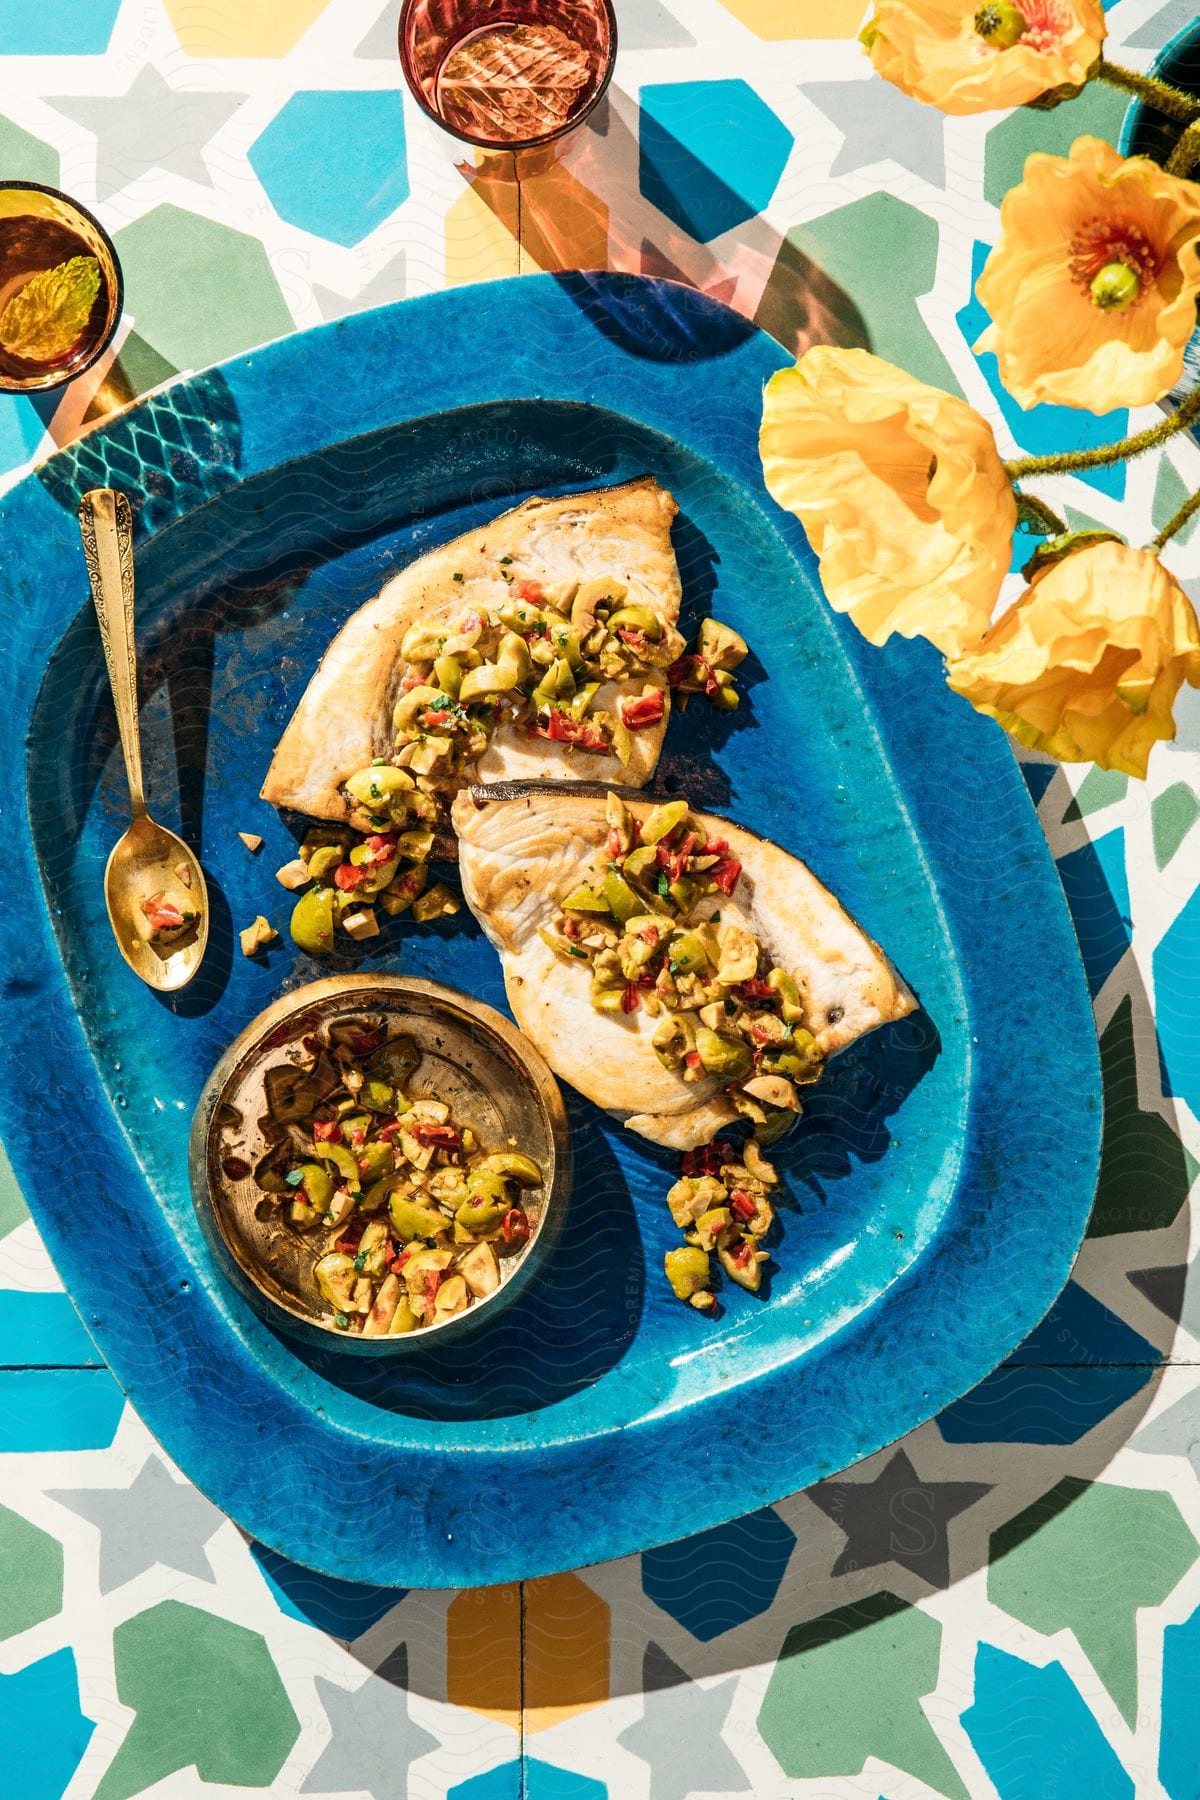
x=507 y=74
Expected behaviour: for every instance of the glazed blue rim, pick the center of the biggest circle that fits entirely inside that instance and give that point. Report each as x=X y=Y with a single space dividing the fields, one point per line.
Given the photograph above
x=198 y=1387
x=1161 y=65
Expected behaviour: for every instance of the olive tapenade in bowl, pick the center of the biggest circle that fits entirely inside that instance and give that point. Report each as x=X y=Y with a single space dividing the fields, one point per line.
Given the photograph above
x=377 y=1159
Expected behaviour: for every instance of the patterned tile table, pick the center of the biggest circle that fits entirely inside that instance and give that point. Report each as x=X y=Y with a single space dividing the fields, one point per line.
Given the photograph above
x=1008 y=1602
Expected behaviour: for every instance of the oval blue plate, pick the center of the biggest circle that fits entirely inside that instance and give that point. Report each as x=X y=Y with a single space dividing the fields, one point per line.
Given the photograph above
x=940 y=1183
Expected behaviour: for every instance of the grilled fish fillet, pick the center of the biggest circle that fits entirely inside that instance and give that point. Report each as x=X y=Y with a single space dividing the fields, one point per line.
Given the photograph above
x=344 y=719
x=522 y=848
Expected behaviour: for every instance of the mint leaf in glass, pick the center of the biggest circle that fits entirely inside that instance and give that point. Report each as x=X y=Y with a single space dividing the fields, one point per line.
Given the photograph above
x=50 y=313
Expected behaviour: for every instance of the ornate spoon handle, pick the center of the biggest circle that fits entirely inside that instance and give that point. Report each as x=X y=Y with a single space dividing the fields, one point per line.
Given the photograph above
x=106 y=526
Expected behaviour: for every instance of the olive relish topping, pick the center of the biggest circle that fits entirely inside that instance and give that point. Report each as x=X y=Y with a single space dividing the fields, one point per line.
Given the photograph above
x=537 y=660
x=410 y=1219
x=651 y=932
x=722 y=1205
x=346 y=875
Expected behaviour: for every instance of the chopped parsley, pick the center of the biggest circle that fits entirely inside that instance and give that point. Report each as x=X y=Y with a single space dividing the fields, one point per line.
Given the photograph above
x=458 y=577
x=504 y=561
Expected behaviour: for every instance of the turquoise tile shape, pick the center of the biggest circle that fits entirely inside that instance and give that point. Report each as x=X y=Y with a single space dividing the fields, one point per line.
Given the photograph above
x=43 y=1731
x=1042 y=429
x=1028 y=1724
x=1097 y=889
x=710 y=153
x=66 y=28
x=58 y=1409
x=1080 y=1364
x=503 y=1783
x=335 y=164
x=718 y=1579
x=1177 y=1004
x=1177 y=1762
x=43 y=1330
x=21 y=431
x=545 y=1782
x=345 y=1609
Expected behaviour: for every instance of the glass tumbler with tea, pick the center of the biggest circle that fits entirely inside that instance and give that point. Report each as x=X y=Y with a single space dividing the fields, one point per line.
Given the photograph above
x=507 y=74
x=60 y=288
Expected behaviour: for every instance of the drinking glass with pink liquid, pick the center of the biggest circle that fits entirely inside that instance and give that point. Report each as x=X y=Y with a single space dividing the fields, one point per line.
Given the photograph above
x=507 y=74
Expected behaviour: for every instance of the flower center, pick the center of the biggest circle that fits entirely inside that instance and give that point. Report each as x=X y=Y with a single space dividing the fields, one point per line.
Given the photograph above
x=1113 y=261
x=1041 y=24
x=1000 y=24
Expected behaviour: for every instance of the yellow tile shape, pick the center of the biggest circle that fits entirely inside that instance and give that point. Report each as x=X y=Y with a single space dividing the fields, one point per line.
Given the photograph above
x=567 y=1640
x=241 y=27
x=481 y=233
x=483 y=1652
x=779 y=19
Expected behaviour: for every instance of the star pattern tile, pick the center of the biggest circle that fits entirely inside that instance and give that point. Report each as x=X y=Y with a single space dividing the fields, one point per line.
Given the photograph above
x=150 y=126
x=690 y=1718
x=880 y=124
x=898 y=1517
x=155 y=1520
x=373 y=1739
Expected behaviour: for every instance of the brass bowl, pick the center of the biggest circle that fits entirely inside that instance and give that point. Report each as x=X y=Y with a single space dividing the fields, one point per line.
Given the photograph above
x=472 y=1057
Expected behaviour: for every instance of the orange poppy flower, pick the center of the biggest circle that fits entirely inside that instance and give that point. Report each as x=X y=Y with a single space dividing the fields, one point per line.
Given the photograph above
x=1092 y=287
x=1086 y=665
x=964 y=57
x=901 y=490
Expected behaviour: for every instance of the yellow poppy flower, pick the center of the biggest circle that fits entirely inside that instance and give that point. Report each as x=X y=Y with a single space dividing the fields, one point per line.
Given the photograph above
x=1086 y=665
x=965 y=57
x=1092 y=286
x=901 y=490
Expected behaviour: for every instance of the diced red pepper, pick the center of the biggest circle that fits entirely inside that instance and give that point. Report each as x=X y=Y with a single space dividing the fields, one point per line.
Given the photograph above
x=150 y=903
x=630 y=999
x=715 y=847
x=364 y=1042
x=349 y=876
x=398 y=1261
x=615 y=848
x=685 y=669
x=675 y=866
x=438 y=1137
x=561 y=728
x=742 y=1206
x=515 y=1226
x=570 y=928
x=532 y=591
x=410 y=682
x=382 y=849
x=694 y=1060
x=431 y=720
x=358 y=1135
x=726 y=874
x=433 y=1282
x=709 y=1159
x=754 y=989
x=165 y=917
x=327 y=1131
x=635 y=639
x=743 y=1253
x=389 y=1132
x=648 y=710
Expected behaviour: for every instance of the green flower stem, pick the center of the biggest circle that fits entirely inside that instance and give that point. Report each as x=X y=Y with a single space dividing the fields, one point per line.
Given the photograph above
x=1176 y=522
x=1065 y=462
x=1186 y=153
x=1158 y=94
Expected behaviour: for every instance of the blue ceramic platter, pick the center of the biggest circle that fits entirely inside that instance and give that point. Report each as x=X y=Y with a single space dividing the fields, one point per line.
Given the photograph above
x=941 y=1180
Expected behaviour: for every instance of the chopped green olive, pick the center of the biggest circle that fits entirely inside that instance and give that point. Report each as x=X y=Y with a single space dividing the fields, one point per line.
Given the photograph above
x=622 y=902
x=661 y=820
x=687 y=1271
x=636 y=618
x=522 y=1169
x=312 y=921
x=376 y=1096
x=412 y=1220
x=585 y=899
x=728 y=1057
x=687 y=954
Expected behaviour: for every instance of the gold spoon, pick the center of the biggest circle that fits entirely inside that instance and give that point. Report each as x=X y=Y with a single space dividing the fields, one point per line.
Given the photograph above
x=149 y=859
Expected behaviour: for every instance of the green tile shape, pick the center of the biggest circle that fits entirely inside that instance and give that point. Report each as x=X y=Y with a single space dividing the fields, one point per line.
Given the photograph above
x=13 y=1210
x=1145 y=1172
x=205 y=1692
x=1097 y=112
x=1084 y=1557
x=1099 y=788
x=32 y=1589
x=845 y=246
x=1172 y=815
x=24 y=157
x=1170 y=492
x=884 y=1653
x=198 y=291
